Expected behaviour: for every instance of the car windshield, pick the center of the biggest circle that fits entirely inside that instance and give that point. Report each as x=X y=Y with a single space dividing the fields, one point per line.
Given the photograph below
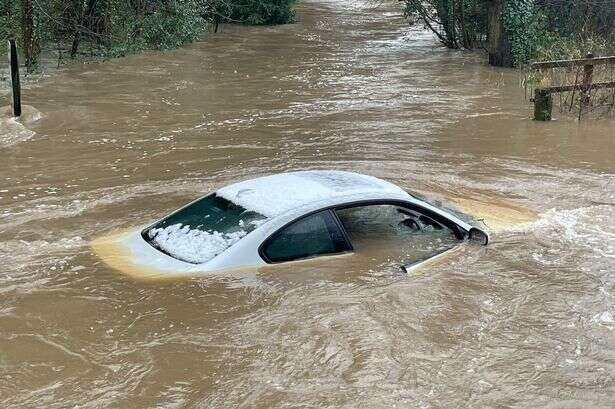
x=202 y=230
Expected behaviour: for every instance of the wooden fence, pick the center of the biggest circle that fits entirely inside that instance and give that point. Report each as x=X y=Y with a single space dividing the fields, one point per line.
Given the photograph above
x=543 y=101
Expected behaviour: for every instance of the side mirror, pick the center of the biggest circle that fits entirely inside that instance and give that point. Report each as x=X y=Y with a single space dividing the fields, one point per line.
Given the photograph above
x=479 y=236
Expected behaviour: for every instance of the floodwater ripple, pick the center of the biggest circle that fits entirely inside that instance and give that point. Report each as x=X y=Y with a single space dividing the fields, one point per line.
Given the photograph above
x=527 y=321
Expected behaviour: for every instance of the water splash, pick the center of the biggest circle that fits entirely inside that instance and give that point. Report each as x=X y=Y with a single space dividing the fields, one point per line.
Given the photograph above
x=16 y=130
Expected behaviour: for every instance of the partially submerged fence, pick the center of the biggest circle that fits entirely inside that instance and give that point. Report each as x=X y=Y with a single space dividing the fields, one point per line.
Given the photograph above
x=543 y=96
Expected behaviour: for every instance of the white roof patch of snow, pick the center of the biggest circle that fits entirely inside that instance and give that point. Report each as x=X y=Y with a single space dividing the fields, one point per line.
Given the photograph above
x=276 y=194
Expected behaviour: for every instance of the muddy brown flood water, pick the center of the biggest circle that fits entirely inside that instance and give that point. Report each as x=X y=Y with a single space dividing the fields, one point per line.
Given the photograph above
x=525 y=322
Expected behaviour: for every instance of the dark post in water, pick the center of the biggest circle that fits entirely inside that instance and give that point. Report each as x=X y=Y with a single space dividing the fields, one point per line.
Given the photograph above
x=14 y=74
x=543 y=105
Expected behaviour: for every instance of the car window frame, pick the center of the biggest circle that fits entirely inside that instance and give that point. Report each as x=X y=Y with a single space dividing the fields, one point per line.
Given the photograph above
x=460 y=233
x=338 y=224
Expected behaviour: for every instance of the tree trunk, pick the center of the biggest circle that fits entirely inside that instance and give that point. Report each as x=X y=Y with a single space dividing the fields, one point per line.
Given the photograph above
x=27 y=34
x=89 y=20
x=499 y=47
x=79 y=20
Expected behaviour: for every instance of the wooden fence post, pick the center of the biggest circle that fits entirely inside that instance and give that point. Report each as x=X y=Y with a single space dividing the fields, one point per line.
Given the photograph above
x=543 y=96
x=543 y=105
x=14 y=74
x=588 y=74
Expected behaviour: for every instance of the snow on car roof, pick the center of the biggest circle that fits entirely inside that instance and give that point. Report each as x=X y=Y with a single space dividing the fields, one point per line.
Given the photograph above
x=276 y=194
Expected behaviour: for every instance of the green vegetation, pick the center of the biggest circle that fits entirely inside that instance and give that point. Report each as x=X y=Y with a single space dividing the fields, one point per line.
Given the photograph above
x=572 y=32
x=457 y=23
x=522 y=28
x=112 y=28
x=157 y=28
x=517 y=31
x=259 y=12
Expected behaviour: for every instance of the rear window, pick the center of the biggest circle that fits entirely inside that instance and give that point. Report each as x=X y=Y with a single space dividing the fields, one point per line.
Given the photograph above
x=202 y=230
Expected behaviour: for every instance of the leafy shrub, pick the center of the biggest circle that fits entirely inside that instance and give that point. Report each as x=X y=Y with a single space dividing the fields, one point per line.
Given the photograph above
x=156 y=29
x=457 y=23
x=522 y=26
x=119 y=27
x=10 y=13
x=259 y=12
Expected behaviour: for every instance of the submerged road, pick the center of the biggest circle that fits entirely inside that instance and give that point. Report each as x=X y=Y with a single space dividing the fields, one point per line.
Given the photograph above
x=526 y=322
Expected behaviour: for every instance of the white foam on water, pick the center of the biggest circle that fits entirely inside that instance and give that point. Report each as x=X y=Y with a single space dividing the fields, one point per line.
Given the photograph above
x=606 y=317
x=12 y=132
x=589 y=227
x=15 y=130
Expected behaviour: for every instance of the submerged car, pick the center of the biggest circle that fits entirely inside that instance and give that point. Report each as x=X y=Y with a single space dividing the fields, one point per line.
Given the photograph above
x=289 y=217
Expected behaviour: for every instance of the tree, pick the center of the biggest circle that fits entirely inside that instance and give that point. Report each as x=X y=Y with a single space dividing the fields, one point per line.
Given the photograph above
x=503 y=27
x=498 y=45
x=28 y=38
x=456 y=23
x=118 y=27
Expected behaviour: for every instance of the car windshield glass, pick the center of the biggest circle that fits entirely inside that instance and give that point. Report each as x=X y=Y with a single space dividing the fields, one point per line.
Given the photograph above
x=202 y=230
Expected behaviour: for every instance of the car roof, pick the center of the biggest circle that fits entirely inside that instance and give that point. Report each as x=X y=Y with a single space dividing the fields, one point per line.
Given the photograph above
x=276 y=194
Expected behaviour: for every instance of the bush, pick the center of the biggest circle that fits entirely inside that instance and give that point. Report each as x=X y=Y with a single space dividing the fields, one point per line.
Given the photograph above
x=533 y=28
x=580 y=16
x=119 y=27
x=262 y=12
x=457 y=23
x=157 y=29
x=10 y=14
x=557 y=38
x=524 y=25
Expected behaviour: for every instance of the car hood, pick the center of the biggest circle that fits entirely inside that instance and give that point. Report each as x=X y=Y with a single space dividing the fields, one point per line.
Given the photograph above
x=128 y=252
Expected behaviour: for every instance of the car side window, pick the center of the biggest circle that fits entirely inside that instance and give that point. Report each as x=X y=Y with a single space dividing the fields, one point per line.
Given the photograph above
x=311 y=236
x=385 y=219
x=386 y=229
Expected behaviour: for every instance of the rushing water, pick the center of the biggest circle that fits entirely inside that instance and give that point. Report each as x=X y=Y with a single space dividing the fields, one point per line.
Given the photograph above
x=527 y=321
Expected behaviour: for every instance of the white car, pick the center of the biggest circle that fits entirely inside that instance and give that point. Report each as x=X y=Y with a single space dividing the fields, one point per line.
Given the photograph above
x=287 y=217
